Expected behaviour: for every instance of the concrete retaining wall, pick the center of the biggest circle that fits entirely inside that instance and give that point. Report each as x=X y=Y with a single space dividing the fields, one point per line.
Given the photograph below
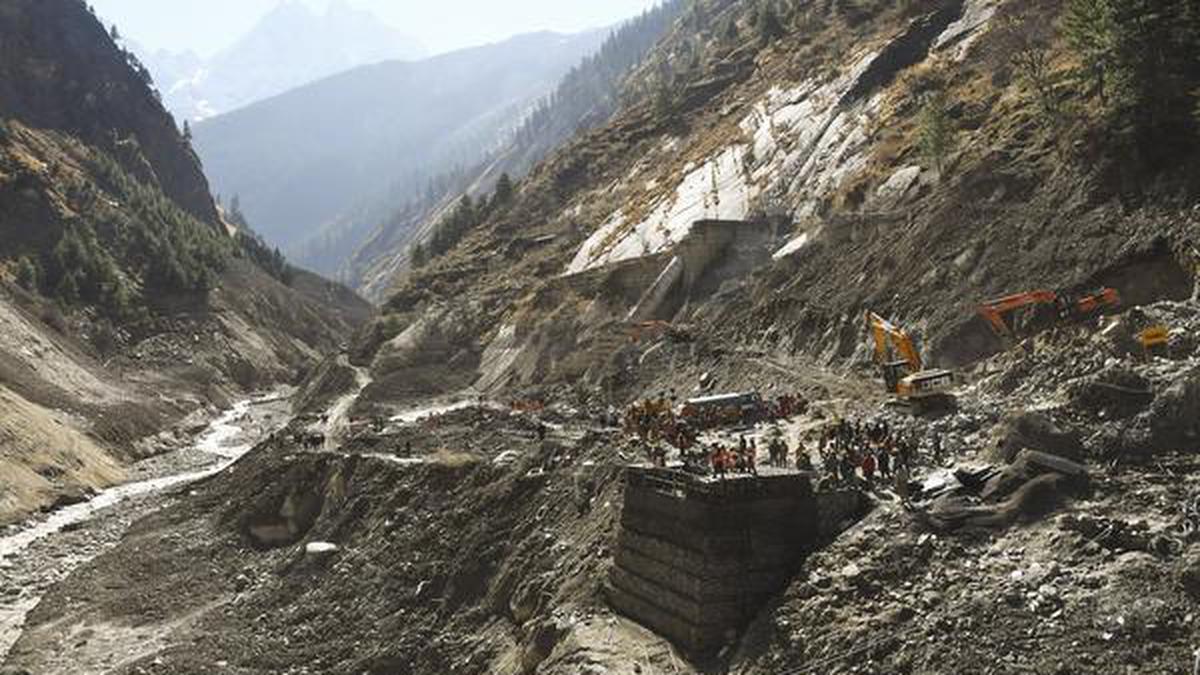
x=697 y=559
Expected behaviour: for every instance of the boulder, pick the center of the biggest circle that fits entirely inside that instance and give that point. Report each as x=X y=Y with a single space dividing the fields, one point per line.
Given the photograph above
x=541 y=644
x=1115 y=392
x=320 y=549
x=1188 y=573
x=1036 y=431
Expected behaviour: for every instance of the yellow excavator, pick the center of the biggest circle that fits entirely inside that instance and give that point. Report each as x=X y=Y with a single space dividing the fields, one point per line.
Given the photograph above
x=905 y=377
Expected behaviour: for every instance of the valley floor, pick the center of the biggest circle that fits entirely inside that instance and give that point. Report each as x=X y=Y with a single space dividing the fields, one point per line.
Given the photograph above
x=43 y=551
x=466 y=537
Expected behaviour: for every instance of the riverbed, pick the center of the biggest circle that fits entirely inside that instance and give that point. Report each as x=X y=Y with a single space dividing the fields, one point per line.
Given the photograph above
x=44 y=550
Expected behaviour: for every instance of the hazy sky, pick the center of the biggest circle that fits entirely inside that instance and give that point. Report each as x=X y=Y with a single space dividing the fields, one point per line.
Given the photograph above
x=206 y=26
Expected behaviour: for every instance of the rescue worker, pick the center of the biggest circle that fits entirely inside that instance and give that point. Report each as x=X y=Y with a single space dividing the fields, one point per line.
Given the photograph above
x=803 y=460
x=717 y=459
x=901 y=483
x=868 y=467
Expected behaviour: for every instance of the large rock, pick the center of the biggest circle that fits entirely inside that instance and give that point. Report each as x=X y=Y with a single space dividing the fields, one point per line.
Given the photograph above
x=1116 y=392
x=1189 y=573
x=1036 y=431
x=1171 y=424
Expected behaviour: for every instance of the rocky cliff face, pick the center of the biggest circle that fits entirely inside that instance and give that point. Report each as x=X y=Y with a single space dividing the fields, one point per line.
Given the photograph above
x=60 y=70
x=820 y=131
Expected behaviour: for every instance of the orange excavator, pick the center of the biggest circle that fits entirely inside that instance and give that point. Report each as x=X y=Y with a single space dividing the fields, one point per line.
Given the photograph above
x=906 y=377
x=1066 y=307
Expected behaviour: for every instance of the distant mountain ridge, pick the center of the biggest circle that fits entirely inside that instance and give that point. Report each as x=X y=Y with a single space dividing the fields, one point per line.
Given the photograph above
x=310 y=158
x=291 y=46
x=586 y=98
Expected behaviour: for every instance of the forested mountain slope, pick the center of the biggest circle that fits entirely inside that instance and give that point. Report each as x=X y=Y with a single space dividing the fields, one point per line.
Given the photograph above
x=127 y=302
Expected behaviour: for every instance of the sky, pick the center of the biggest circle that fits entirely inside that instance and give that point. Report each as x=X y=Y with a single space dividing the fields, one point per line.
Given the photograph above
x=207 y=26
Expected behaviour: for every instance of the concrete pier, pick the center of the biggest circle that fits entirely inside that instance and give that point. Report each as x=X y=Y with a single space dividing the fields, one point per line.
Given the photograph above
x=697 y=559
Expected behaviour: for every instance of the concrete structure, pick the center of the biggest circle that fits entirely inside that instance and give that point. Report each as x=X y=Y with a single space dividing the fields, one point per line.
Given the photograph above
x=697 y=559
x=714 y=251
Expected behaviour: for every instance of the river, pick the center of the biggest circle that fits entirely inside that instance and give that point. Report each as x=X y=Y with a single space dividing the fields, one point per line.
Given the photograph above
x=43 y=551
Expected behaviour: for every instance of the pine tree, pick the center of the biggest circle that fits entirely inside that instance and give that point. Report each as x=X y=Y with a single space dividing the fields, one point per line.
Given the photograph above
x=1090 y=29
x=504 y=190
x=187 y=131
x=235 y=213
x=115 y=34
x=770 y=28
x=417 y=255
x=936 y=134
x=1140 y=58
x=67 y=288
x=28 y=274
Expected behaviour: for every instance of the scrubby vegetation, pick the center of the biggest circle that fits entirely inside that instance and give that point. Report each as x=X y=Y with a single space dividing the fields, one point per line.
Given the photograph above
x=1130 y=67
x=461 y=220
x=591 y=92
x=130 y=248
x=1141 y=59
x=170 y=251
x=270 y=259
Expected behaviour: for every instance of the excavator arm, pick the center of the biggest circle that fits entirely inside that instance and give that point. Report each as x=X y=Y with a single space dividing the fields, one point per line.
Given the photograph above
x=1068 y=308
x=994 y=310
x=882 y=331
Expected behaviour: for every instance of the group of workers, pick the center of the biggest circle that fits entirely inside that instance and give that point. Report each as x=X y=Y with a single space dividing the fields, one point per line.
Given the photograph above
x=850 y=451
x=855 y=450
x=742 y=458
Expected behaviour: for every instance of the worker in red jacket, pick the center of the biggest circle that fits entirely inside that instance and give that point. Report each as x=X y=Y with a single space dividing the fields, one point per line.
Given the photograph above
x=868 y=467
